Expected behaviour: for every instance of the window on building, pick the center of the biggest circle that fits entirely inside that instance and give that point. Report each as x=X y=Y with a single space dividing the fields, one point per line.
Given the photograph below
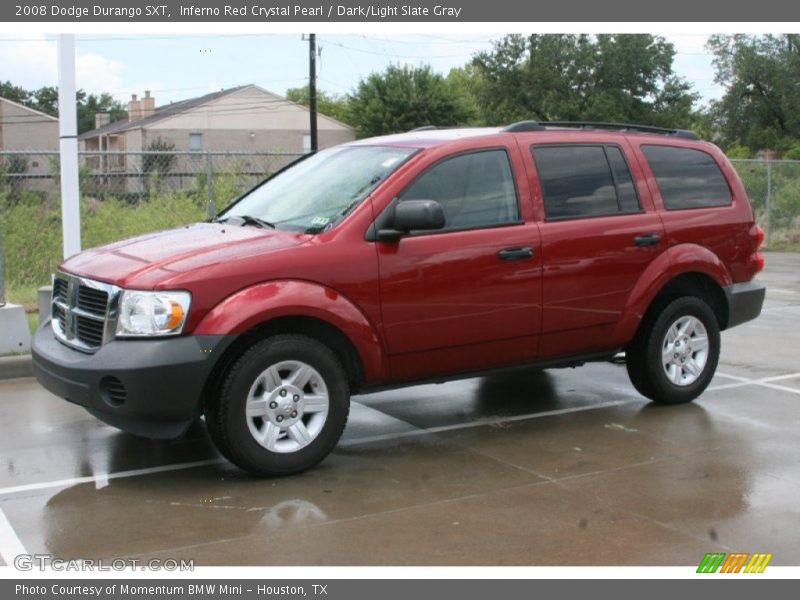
x=687 y=178
x=475 y=190
x=195 y=142
x=584 y=181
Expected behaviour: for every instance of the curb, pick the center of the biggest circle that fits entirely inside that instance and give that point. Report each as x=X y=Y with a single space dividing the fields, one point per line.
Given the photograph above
x=12 y=367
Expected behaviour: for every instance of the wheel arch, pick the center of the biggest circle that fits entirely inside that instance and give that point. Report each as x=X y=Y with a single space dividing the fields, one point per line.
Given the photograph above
x=303 y=307
x=683 y=270
x=312 y=327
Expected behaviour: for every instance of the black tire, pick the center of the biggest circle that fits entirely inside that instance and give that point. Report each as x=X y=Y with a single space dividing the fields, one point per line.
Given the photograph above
x=644 y=354
x=228 y=423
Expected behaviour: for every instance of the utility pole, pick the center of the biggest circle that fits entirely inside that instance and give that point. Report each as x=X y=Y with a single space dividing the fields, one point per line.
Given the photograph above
x=68 y=134
x=312 y=89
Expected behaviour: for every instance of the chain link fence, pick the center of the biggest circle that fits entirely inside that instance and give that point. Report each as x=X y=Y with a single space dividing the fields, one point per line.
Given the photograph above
x=133 y=176
x=774 y=190
x=773 y=185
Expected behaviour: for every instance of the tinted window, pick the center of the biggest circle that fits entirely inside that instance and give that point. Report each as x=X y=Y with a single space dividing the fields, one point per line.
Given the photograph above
x=578 y=181
x=626 y=193
x=687 y=178
x=475 y=190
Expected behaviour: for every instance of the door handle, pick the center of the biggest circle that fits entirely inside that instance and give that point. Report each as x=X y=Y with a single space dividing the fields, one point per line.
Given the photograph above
x=515 y=253
x=648 y=239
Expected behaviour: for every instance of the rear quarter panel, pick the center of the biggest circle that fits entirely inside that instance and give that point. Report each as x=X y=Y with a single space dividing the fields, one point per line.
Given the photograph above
x=724 y=231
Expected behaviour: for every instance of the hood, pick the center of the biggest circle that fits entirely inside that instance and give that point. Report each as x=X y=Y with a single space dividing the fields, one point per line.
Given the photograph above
x=149 y=260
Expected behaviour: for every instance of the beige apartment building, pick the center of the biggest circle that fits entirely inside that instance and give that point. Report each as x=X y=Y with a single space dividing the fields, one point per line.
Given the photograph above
x=26 y=129
x=247 y=120
x=242 y=119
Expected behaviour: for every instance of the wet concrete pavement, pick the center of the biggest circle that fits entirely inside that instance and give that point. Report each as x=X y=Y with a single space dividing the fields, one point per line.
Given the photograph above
x=530 y=467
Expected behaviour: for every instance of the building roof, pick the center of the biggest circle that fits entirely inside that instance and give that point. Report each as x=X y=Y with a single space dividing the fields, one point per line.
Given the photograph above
x=29 y=109
x=163 y=112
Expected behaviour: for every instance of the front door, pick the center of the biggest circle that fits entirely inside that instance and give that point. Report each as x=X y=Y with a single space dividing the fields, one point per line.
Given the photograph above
x=467 y=296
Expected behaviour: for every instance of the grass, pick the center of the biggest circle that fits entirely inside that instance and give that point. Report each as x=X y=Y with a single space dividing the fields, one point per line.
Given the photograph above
x=32 y=236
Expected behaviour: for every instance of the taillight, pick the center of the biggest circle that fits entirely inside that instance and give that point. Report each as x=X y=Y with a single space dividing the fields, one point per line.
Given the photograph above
x=759 y=236
x=756 y=258
x=758 y=262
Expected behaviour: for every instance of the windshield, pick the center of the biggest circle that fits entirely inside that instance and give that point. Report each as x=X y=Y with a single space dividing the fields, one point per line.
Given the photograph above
x=315 y=194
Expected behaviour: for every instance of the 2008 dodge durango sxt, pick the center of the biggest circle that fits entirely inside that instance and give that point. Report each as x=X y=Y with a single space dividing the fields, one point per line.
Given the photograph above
x=422 y=256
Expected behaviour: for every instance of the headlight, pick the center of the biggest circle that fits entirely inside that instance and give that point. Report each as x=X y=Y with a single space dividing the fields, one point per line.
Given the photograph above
x=148 y=314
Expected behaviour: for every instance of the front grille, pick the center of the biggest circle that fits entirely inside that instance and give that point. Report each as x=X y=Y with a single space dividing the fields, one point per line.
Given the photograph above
x=81 y=310
x=92 y=300
x=60 y=288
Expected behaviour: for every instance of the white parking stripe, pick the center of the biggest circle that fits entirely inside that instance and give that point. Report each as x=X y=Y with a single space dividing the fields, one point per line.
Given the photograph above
x=767 y=382
x=32 y=487
x=105 y=477
x=480 y=423
x=10 y=544
x=101 y=479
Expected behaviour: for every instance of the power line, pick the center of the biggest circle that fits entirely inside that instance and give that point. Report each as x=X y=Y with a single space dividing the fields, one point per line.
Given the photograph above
x=406 y=56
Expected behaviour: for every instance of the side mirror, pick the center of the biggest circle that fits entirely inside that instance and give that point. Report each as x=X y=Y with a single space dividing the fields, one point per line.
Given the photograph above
x=413 y=215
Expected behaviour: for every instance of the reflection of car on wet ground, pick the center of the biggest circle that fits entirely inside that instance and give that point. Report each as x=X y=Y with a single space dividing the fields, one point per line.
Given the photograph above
x=423 y=256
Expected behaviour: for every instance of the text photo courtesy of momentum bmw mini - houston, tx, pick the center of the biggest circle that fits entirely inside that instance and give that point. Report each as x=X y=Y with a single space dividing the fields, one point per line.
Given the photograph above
x=415 y=290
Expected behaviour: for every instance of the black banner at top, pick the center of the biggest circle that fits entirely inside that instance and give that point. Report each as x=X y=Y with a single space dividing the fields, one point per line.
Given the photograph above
x=349 y=11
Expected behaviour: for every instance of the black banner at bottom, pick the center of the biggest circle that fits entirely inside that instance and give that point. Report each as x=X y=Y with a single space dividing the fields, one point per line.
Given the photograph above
x=371 y=589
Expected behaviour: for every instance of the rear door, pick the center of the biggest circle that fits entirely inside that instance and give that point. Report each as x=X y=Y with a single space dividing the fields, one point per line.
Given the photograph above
x=599 y=233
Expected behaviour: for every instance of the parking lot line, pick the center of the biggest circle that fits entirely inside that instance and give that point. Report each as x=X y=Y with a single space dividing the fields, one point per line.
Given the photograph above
x=768 y=382
x=104 y=478
x=477 y=423
x=10 y=544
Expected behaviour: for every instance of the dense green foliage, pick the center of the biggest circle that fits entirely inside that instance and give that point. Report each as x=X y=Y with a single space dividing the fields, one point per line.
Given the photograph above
x=405 y=97
x=331 y=105
x=45 y=99
x=613 y=78
x=761 y=106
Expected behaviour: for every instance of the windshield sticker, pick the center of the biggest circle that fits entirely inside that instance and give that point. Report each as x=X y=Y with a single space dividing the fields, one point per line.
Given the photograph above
x=320 y=221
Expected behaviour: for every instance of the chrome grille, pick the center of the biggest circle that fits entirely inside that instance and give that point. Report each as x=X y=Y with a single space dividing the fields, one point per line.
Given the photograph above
x=83 y=311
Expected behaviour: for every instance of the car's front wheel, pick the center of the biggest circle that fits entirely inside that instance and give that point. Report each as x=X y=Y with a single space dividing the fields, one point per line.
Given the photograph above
x=282 y=406
x=675 y=354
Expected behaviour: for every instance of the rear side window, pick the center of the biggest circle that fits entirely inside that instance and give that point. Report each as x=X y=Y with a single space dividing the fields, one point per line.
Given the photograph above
x=474 y=190
x=584 y=181
x=687 y=178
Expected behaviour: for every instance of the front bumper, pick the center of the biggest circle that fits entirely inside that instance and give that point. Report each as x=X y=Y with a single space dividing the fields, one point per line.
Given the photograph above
x=150 y=388
x=744 y=301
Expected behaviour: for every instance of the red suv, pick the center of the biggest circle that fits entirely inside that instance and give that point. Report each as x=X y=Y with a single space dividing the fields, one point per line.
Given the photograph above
x=426 y=256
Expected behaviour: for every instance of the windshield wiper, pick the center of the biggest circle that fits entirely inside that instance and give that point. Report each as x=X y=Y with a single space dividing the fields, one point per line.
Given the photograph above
x=247 y=220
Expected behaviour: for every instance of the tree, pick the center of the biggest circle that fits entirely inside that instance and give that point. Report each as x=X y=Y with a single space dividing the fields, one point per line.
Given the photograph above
x=331 y=105
x=91 y=104
x=405 y=97
x=616 y=78
x=12 y=92
x=162 y=159
x=45 y=99
x=761 y=105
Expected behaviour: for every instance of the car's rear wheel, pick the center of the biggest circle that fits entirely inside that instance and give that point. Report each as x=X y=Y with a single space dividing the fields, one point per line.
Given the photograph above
x=282 y=406
x=675 y=354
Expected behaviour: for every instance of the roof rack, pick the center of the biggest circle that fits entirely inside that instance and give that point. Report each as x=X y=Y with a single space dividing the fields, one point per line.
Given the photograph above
x=542 y=125
x=520 y=126
x=423 y=128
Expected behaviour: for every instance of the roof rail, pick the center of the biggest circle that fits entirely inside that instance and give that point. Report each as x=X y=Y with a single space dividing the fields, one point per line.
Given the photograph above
x=423 y=128
x=681 y=133
x=520 y=126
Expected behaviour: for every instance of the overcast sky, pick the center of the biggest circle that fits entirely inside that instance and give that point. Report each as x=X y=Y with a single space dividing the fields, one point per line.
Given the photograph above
x=175 y=67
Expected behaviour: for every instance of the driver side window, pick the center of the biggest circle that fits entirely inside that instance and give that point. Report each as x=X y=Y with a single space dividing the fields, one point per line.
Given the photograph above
x=475 y=190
